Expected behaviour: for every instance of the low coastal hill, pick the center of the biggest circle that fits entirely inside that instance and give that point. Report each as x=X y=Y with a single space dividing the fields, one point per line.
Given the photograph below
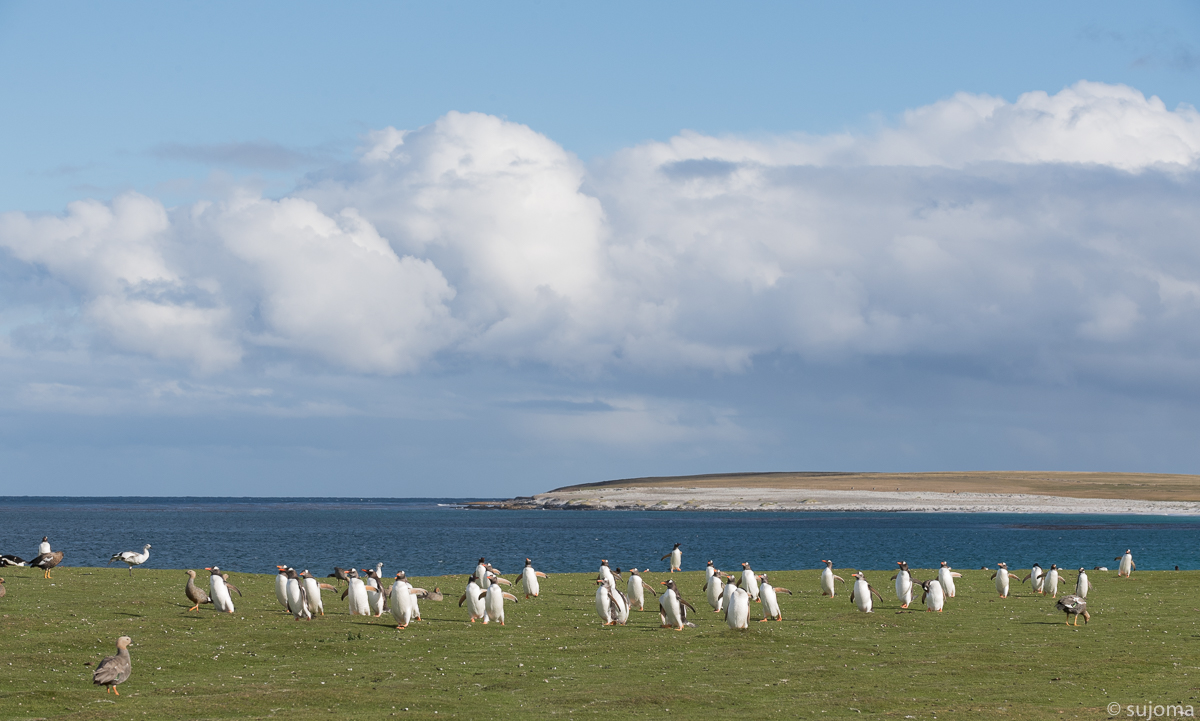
x=1124 y=486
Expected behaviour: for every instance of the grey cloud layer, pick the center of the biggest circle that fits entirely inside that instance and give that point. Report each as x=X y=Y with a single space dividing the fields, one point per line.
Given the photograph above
x=1056 y=233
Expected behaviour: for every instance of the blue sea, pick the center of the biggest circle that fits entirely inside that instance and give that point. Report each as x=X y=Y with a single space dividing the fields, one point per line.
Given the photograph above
x=426 y=536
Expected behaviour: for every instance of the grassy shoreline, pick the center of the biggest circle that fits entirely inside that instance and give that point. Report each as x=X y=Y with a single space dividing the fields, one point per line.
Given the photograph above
x=553 y=659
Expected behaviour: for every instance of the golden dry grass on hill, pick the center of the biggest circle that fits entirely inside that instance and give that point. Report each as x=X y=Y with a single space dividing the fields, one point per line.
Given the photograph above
x=1134 y=486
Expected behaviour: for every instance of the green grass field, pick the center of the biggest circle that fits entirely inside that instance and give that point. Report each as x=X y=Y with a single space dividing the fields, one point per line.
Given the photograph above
x=984 y=656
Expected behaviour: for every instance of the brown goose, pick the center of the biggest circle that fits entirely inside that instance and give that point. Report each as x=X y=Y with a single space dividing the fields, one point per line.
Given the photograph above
x=113 y=670
x=339 y=575
x=1073 y=606
x=8 y=559
x=194 y=594
x=47 y=561
x=2 y=591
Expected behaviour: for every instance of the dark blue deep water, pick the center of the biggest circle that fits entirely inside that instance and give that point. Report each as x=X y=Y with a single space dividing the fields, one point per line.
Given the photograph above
x=252 y=535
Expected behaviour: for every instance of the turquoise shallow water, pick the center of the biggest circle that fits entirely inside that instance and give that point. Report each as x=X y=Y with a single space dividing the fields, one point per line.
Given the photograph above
x=419 y=536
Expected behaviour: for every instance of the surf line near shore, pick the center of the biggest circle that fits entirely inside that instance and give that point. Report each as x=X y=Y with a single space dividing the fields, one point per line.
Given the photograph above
x=967 y=492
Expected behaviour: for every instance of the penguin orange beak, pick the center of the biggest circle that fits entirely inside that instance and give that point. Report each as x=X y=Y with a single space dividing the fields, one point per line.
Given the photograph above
x=207 y=569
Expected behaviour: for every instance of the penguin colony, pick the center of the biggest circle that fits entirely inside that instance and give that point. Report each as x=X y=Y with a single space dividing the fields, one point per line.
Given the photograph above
x=731 y=595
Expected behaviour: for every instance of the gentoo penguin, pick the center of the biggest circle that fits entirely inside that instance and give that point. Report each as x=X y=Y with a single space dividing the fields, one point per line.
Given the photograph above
x=357 y=591
x=374 y=588
x=1074 y=606
x=312 y=592
x=738 y=613
x=749 y=581
x=904 y=584
x=770 y=600
x=113 y=670
x=194 y=594
x=481 y=572
x=709 y=571
x=297 y=598
x=1082 y=586
x=230 y=586
x=611 y=604
x=493 y=600
x=281 y=580
x=672 y=608
x=401 y=601
x=339 y=575
x=860 y=593
x=46 y=562
x=932 y=595
x=417 y=594
x=827 y=578
x=1126 y=567
x=676 y=557
x=1050 y=585
x=636 y=590
x=132 y=558
x=221 y=599
x=472 y=598
x=1001 y=576
x=44 y=546
x=529 y=579
x=727 y=591
x=714 y=590
x=605 y=573
x=1038 y=578
x=946 y=577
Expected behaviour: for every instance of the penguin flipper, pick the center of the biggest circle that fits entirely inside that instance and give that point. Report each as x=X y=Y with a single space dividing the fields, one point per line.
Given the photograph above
x=344 y=593
x=778 y=589
x=483 y=595
x=993 y=575
x=840 y=579
x=651 y=590
x=1132 y=566
x=461 y=600
x=539 y=574
x=233 y=588
x=665 y=557
x=871 y=589
x=509 y=597
x=1023 y=580
x=326 y=586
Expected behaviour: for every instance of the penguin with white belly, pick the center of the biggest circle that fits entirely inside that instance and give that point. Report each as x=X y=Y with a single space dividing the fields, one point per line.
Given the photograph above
x=1037 y=577
x=1127 y=565
x=827 y=578
x=475 y=606
x=611 y=604
x=605 y=573
x=737 y=615
x=529 y=579
x=672 y=608
x=904 y=584
x=1050 y=586
x=218 y=591
x=312 y=591
x=727 y=591
x=933 y=595
x=1082 y=585
x=281 y=580
x=749 y=581
x=676 y=556
x=770 y=599
x=714 y=590
x=637 y=588
x=481 y=573
x=374 y=588
x=297 y=598
x=356 y=590
x=860 y=593
x=493 y=600
x=946 y=577
x=1001 y=577
x=401 y=601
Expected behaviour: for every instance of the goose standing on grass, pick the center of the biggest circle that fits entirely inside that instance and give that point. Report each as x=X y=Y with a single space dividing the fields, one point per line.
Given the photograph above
x=44 y=546
x=221 y=599
x=46 y=562
x=113 y=670
x=827 y=577
x=339 y=575
x=2 y=591
x=1126 y=567
x=132 y=558
x=1074 y=606
x=194 y=594
x=676 y=556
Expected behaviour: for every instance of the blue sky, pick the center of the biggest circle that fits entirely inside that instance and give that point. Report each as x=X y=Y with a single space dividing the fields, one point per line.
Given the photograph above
x=476 y=249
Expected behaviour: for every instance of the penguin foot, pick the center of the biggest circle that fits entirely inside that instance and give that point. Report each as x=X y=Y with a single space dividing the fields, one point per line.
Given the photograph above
x=904 y=605
x=763 y=620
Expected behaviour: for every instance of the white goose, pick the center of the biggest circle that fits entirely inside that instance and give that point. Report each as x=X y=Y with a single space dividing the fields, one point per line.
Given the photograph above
x=133 y=558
